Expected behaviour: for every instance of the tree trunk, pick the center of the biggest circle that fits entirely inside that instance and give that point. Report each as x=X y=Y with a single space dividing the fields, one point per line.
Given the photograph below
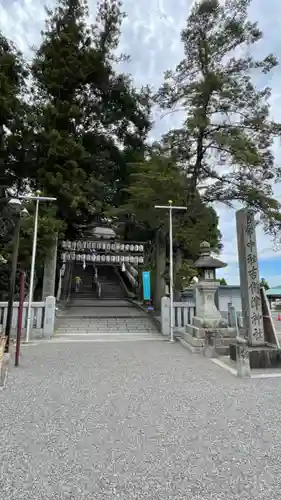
x=178 y=265
x=160 y=267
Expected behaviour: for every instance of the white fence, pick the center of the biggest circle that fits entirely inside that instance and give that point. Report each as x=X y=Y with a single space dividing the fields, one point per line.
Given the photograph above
x=42 y=317
x=183 y=314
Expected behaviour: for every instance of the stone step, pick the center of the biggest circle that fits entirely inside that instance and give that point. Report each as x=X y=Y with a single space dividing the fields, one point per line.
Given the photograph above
x=103 y=339
x=107 y=334
x=104 y=330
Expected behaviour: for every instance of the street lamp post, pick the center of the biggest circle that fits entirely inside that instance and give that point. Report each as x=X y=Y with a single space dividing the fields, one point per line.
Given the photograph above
x=170 y=207
x=37 y=198
x=17 y=206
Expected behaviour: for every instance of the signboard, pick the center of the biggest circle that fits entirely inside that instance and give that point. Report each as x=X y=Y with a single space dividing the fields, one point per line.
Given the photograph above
x=146 y=285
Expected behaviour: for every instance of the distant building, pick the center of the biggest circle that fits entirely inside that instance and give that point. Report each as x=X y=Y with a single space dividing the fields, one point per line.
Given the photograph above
x=274 y=295
x=230 y=294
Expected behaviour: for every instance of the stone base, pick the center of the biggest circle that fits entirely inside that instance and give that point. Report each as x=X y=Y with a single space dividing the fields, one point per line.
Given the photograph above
x=260 y=356
x=195 y=337
x=199 y=332
x=209 y=322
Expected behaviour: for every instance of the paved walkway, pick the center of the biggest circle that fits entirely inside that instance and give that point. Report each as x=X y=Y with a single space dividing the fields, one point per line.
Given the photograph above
x=136 y=421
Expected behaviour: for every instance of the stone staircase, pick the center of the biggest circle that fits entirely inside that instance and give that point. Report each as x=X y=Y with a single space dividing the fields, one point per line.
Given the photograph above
x=110 y=284
x=105 y=321
x=111 y=318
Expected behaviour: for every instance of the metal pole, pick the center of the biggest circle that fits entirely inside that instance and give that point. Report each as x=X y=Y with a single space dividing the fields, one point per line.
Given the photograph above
x=170 y=207
x=30 y=297
x=12 y=283
x=20 y=314
x=171 y=276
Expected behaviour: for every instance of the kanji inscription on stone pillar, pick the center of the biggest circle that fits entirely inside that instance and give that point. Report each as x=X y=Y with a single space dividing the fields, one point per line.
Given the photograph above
x=249 y=277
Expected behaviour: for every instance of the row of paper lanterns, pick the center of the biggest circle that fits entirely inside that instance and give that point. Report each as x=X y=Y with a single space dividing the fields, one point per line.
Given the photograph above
x=102 y=258
x=95 y=245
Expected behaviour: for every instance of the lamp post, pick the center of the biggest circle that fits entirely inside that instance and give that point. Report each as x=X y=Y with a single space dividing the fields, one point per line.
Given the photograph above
x=17 y=206
x=170 y=207
x=37 y=198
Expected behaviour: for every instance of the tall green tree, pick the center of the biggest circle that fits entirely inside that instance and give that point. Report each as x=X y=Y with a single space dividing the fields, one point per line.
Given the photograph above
x=12 y=86
x=224 y=145
x=89 y=115
x=154 y=182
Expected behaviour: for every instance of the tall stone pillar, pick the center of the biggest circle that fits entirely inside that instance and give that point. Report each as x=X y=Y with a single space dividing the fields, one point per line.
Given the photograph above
x=249 y=277
x=50 y=265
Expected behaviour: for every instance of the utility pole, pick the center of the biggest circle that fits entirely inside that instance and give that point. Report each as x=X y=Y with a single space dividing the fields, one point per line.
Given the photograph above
x=36 y=198
x=170 y=207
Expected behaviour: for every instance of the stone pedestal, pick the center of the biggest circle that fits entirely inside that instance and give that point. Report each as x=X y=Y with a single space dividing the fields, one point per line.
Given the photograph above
x=207 y=314
x=259 y=357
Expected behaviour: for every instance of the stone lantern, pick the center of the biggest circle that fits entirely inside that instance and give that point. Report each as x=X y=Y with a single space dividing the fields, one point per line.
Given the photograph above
x=207 y=328
x=207 y=313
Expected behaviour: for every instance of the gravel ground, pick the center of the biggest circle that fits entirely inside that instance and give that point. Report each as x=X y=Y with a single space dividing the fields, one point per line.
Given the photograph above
x=136 y=421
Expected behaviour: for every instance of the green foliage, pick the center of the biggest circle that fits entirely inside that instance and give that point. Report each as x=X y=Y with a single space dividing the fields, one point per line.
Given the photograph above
x=264 y=284
x=89 y=116
x=225 y=143
x=12 y=85
x=156 y=181
x=223 y=282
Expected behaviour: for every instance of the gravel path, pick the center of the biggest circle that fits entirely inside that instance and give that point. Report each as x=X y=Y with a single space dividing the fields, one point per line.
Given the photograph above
x=136 y=421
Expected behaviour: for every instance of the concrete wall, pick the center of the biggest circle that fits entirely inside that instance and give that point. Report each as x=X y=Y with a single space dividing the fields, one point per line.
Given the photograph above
x=228 y=295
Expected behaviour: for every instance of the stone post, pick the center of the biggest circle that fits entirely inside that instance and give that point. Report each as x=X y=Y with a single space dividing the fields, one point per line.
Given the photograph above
x=249 y=277
x=232 y=316
x=165 y=315
x=49 y=317
x=242 y=358
x=50 y=265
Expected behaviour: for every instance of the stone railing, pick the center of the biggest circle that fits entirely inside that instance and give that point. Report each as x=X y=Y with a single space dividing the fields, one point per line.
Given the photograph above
x=42 y=317
x=183 y=314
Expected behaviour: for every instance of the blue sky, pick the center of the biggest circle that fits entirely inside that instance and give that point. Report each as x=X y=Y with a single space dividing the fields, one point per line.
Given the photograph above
x=151 y=35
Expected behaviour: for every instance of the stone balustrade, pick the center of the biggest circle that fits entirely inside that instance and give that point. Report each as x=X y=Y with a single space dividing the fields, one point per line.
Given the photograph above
x=42 y=317
x=183 y=314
